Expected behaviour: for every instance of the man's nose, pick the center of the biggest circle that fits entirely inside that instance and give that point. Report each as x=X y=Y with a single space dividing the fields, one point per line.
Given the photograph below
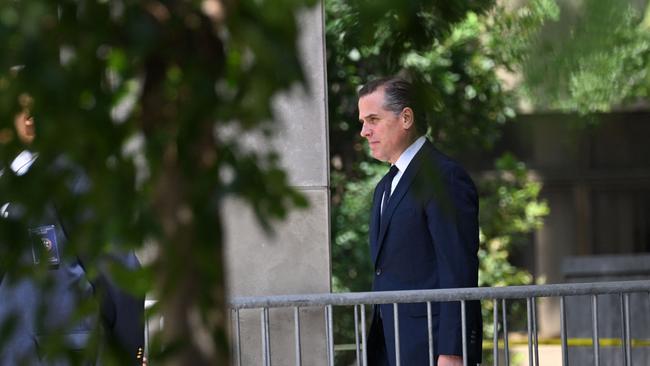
x=365 y=132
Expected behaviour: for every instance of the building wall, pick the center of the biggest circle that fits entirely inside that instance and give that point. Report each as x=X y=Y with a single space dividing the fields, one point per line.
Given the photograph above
x=596 y=180
x=295 y=257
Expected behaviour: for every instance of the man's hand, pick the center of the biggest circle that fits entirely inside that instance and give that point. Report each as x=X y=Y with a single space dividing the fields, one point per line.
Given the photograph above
x=450 y=360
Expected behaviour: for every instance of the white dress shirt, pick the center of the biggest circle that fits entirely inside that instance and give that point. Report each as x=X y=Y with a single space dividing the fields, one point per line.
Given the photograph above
x=405 y=159
x=403 y=162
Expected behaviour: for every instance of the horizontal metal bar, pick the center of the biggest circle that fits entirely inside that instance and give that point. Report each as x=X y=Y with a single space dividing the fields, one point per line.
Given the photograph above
x=487 y=344
x=478 y=293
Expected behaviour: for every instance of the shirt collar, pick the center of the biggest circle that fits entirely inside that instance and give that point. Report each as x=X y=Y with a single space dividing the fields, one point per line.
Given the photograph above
x=23 y=162
x=405 y=159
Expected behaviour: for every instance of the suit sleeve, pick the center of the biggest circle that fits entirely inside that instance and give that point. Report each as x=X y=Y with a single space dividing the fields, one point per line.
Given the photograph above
x=122 y=313
x=452 y=220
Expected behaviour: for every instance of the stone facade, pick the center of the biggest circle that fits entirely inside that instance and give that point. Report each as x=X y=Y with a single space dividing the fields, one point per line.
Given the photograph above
x=295 y=258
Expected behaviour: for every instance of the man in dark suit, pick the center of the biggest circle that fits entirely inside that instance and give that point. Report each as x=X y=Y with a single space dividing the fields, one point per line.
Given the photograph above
x=41 y=305
x=423 y=232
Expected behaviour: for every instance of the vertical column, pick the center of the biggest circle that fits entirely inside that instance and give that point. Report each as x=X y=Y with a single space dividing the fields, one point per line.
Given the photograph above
x=296 y=259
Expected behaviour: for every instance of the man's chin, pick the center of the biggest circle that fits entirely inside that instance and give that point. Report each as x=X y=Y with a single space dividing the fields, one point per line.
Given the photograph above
x=375 y=155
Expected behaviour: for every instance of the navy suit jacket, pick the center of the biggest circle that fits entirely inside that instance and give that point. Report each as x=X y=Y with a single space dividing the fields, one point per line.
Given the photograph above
x=426 y=239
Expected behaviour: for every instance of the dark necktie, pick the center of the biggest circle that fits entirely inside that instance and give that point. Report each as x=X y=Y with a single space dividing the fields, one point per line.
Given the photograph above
x=387 y=186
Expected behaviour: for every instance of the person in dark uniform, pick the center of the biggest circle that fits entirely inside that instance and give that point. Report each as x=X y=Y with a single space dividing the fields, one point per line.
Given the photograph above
x=41 y=306
x=423 y=232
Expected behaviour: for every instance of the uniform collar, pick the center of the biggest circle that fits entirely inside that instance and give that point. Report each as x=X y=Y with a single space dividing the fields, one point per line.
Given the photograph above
x=23 y=162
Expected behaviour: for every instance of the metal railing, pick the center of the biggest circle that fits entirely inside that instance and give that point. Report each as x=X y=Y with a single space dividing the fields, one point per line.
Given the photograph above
x=496 y=295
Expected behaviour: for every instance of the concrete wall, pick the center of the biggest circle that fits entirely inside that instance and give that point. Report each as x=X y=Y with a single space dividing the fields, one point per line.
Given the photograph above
x=296 y=259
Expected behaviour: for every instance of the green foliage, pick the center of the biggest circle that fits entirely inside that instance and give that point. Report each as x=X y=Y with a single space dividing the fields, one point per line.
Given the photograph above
x=462 y=98
x=509 y=211
x=351 y=217
x=602 y=62
x=511 y=33
x=151 y=99
x=351 y=265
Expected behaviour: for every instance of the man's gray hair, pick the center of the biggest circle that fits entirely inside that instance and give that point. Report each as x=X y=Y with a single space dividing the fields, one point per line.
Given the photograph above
x=399 y=93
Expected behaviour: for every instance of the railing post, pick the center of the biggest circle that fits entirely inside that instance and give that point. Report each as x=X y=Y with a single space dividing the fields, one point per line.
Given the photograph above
x=535 y=337
x=237 y=339
x=506 y=349
x=396 y=331
x=364 y=350
x=529 y=316
x=628 y=346
x=296 y=320
x=329 y=334
x=430 y=333
x=463 y=317
x=266 y=346
x=623 y=342
x=495 y=337
x=356 y=334
x=594 y=319
x=563 y=333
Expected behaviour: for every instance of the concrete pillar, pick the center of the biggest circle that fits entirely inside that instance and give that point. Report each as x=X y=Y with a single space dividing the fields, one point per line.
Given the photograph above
x=296 y=259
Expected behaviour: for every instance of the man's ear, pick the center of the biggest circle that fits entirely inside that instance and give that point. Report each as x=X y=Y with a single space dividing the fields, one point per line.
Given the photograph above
x=408 y=119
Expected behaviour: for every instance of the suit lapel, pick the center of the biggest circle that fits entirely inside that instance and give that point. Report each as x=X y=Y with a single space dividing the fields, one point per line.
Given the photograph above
x=402 y=187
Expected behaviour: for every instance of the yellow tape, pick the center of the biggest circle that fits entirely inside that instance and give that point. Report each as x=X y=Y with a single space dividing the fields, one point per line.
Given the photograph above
x=572 y=342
